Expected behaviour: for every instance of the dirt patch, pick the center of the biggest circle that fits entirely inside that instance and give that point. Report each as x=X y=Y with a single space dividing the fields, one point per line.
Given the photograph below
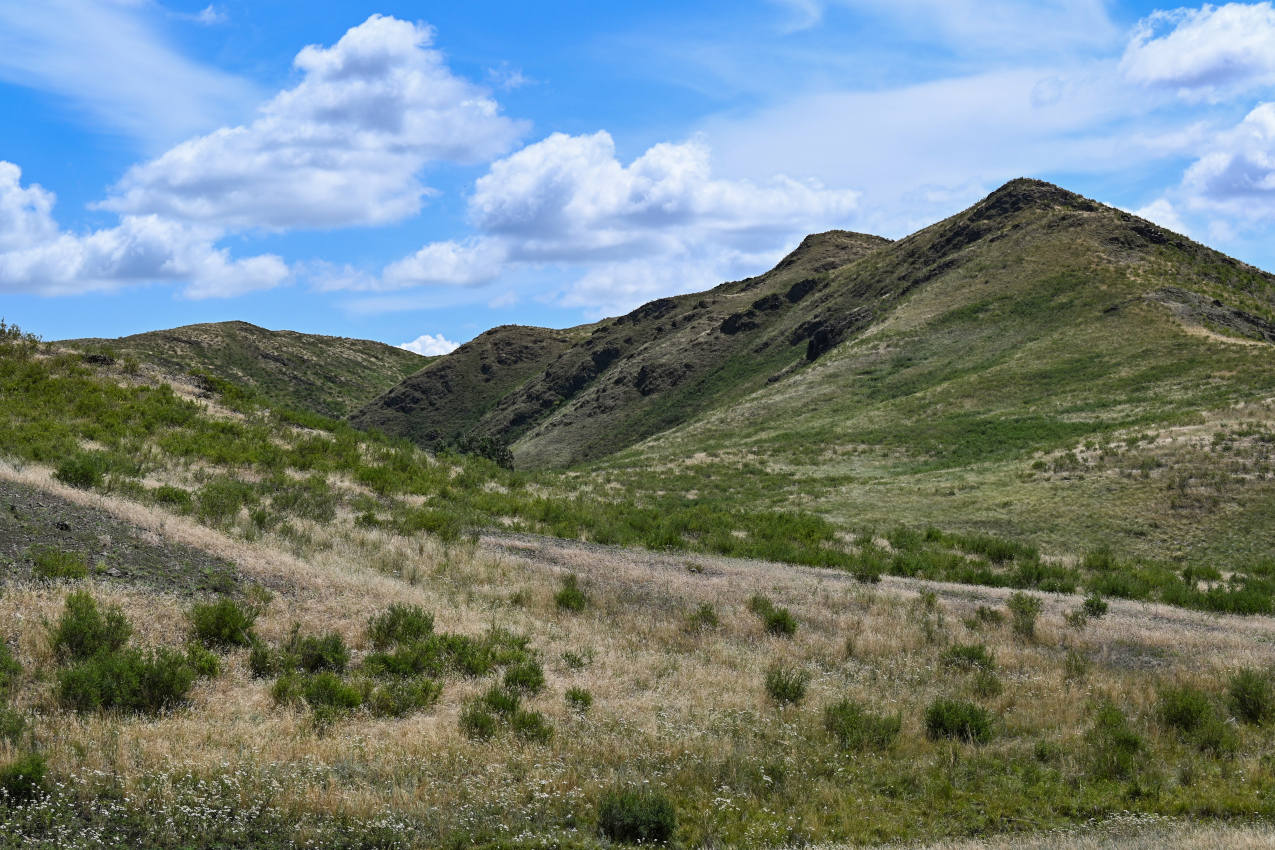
x=115 y=550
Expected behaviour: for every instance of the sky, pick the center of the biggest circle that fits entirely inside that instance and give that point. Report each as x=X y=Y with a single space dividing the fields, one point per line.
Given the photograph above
x=418 y=172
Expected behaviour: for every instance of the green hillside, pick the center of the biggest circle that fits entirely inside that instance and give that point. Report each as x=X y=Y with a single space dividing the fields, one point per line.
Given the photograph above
x=327 y=375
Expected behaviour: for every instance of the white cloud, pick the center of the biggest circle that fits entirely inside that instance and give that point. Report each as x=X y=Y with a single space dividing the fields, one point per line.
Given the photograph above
x=1204 y=52
x=109 y=61
x=1237 y=176
x=449 y=263
x=344 y=147
x=1162 y=212
x=626 y=233
x=430 y=345
x=209 y=16
x=35 y=256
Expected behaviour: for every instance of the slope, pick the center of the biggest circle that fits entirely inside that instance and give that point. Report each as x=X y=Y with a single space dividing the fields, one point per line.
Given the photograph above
x=322 y=374
x=1042 y=365
x=627 y=378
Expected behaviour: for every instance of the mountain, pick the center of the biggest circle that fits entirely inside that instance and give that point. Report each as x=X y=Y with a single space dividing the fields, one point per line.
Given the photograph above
x=322 y=374
x=624 y=379
x=1039 y=364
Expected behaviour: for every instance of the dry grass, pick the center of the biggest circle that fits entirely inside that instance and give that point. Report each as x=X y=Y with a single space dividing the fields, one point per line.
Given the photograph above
x=671 y=704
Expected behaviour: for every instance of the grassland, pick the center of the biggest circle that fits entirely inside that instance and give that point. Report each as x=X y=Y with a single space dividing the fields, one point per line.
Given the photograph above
x=655 y=672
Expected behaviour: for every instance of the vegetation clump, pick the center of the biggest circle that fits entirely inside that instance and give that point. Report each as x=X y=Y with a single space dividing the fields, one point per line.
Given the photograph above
x=959 y=720
x=579 y=699
x=84 y=631
x=23 y=779
x=1023 y=610
x=570 y=597
x=856 y=728
x=223 y=624
x=1251 y=696
x=968 y=657
x=400 y=623
x=636 y=816
x=776 y=620
x=128 y=680
x=786 y=685
x=1192 y=714
x=1115 y=747
x=49 y=562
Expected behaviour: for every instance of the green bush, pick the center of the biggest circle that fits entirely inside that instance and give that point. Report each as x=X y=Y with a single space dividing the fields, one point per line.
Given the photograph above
x=49 y=562
x=316 y=653
x=636 y=816
x=83 y=470
x=968 y=656
x=703 y=619
x=1192 y=713
x=12 y=724
x=531 y=726
x=776 y=620
x=10 y=670
x=83 y=631
x=205 y=664
x=222 y=624
x=786 y=685
x=400 y=623
x=579 y=699
x=175 y=497
x=527 y=678
x=501 y=701
x=858 y=729
x=1094 y=606
x=959 y=720
x=262 y=660
x=570 y=597
x=22 y=780
x=402 y=697
x=330 y=691
x=477 y=722
x=126 y=680
x=1114 y=746
x=1023 y=610
x=1250 y=696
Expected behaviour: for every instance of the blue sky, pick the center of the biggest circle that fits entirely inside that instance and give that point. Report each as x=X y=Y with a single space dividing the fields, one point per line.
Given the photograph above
x=420 y=172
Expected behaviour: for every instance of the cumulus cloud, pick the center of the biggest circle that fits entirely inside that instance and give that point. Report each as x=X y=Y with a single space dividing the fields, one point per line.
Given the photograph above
x=1237 y=177
x=1204 y=52
x=36 y=256
x=344 y=147
x=430 y=345
x=658 y=224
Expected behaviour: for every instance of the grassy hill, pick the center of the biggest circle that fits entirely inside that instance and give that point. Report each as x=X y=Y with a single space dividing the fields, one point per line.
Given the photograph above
x=327 y=375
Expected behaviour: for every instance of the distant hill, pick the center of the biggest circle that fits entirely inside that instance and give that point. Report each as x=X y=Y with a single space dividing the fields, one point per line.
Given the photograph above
x=625 y=379
x=323 y=374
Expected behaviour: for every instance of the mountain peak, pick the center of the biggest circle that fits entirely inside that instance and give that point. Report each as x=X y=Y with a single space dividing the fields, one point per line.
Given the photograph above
x=820 y=252
x=1029 y=193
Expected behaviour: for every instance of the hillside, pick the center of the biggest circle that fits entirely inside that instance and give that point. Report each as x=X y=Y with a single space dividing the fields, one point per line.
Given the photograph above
x=327 y=375
x=630 y=377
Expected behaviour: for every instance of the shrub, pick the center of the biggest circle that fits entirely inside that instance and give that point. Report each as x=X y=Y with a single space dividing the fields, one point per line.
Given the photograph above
x=22 y=779
x=987 y=684
x=83 y=631
x=570 y=597
x=314 y=654
x=532 y=726
x=1094 y=606
x=10 y=670
x=527 y=677
x=1023 y=610
x=1192 y=713
x=785 y=685
x=958 y=719
x=399 y=623
x=1114 y=746
x=968 y=657
x=1076 y=665
x=579 y=699
x=777 y=621
x=402 y=697
x=175 y=497
x=477 y=722
x=222 y=624
x=703 y=619
x=330 y=691
x=287 y=690
x=636 y=816
x=1250 y=698
x=82 y=470
x=984 y=616
x=262 y=661
x=127 y=680
x=501 y=701
x=205 y=664
x=577 y=660
x=12 y=724
x=50 y=563
x=858 y=729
